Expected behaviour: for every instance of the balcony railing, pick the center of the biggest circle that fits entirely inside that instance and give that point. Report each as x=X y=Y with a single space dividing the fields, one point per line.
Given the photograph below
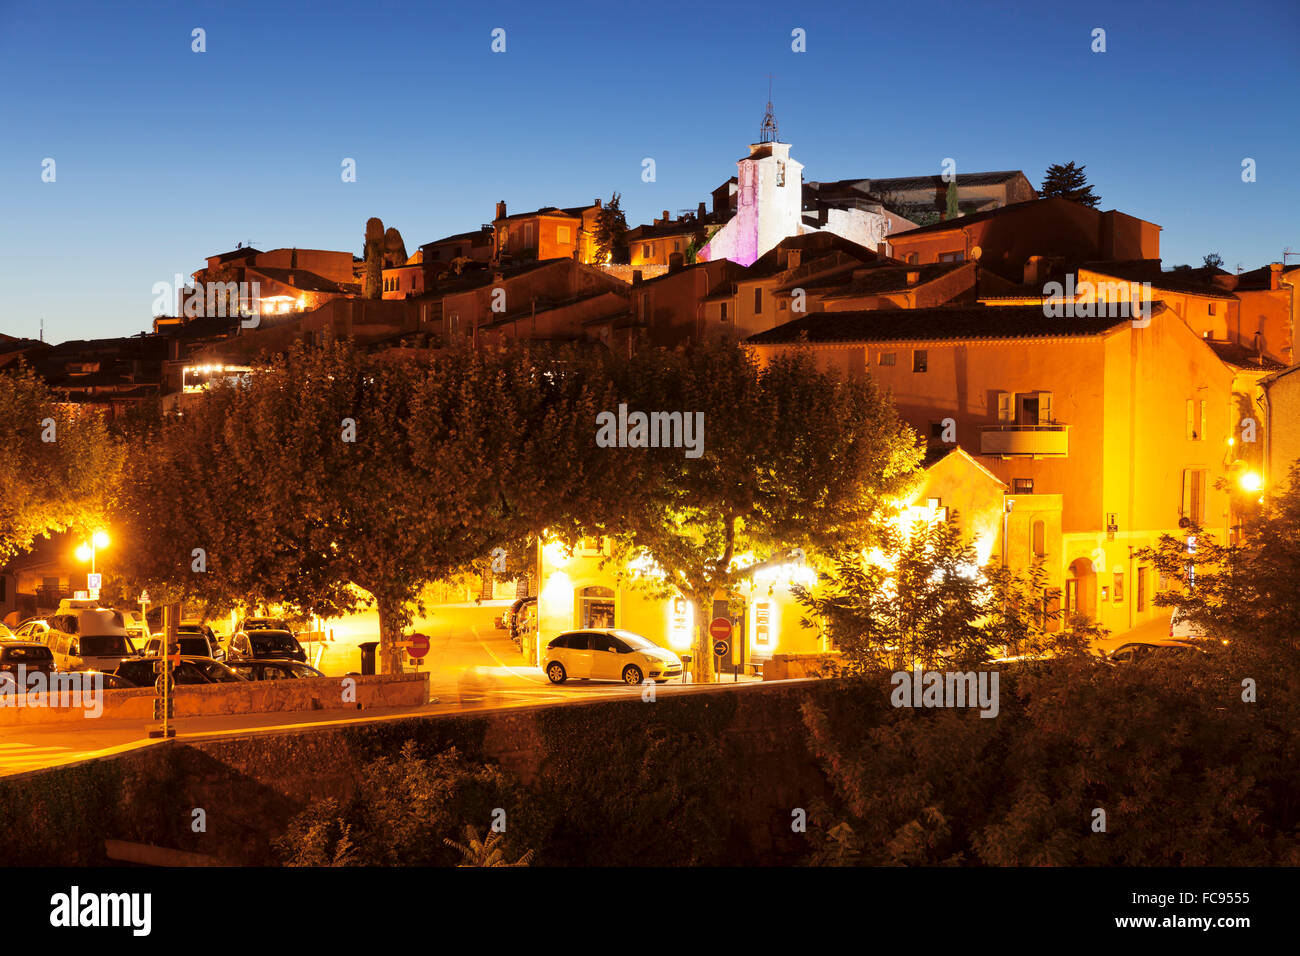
x=1037 y=441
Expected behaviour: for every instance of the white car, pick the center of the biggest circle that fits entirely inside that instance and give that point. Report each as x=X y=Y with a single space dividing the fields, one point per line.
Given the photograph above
x=609 y=654
x=1180 y=627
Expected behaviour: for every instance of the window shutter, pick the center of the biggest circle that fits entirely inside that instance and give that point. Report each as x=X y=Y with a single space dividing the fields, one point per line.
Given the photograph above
x=1006 y=406
x=1184 y=508
x=1191 y=419
x=1044 y=408
x=1201 y=433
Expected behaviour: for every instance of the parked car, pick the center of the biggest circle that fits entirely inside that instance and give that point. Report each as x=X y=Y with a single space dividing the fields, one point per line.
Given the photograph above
x=263 y=643
x=609 y=654
x=112 y=681
x=29 y=654
x=1155 y=647
x=88 y=639
x=196 y=640
x=6 y=634
x=263 y=624
x=191 y=670
x=32 y=629
x=273 y=670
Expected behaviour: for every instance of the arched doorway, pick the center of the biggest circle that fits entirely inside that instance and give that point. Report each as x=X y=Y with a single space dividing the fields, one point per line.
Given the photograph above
x=1081 y=589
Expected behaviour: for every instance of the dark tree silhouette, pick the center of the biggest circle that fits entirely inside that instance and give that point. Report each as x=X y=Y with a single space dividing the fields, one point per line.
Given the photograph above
x=1068 y=182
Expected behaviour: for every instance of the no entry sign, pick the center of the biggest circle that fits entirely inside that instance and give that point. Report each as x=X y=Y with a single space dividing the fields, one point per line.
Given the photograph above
x=419 y=645
x=720 y=629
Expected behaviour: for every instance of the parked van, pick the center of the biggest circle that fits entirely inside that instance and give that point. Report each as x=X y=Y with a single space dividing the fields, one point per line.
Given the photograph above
x=89 y=639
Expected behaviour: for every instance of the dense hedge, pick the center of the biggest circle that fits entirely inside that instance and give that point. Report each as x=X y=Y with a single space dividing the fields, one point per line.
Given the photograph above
x=1186 y=771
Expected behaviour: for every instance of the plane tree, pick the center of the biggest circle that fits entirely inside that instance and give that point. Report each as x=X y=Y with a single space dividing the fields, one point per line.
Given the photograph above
x=61 y=464
x=790 y=458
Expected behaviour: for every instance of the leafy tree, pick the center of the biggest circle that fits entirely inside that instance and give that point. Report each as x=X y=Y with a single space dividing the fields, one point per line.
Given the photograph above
x=611 y=232
x=61 y=464
x=920 y=598
x=1243 y=592
x=1068 y=182
x=330 y=475
x=1212 y=261
x=778 y=469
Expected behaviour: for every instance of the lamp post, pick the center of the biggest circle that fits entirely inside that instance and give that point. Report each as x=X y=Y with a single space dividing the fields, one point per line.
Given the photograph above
x=86 y=551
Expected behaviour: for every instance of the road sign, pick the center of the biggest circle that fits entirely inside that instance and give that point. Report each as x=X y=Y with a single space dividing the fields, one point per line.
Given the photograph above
x=144 y=597
x=419 y=646
x=721 y=648
x=93 y=581
x=720 y=629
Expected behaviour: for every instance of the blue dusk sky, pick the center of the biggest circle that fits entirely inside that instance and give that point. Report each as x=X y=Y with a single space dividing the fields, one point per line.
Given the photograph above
x=164 y=156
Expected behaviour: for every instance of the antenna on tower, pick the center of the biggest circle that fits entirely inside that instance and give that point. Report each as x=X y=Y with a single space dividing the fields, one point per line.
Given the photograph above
x=767 y=133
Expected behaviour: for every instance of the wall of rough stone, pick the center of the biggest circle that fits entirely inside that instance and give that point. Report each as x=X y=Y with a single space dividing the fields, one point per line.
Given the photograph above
x=249 y=697
x=751 y=741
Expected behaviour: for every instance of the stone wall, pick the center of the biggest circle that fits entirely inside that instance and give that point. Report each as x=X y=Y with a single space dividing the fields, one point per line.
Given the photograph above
x=247 y=697
x=747 y=743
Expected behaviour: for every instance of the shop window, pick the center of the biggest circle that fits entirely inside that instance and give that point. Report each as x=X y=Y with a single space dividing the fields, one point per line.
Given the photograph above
x=1117 y=591
x=595 y=607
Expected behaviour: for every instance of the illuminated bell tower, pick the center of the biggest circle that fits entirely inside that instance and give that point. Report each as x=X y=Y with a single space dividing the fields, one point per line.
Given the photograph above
x=769 y=198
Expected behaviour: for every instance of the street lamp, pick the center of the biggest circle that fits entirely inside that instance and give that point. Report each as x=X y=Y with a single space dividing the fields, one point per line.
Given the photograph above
x=1250 y=481
x=86 y=551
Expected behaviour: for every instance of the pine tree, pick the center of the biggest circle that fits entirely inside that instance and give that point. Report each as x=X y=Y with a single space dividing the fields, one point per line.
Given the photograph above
x=952 y=211
x=1068 y=182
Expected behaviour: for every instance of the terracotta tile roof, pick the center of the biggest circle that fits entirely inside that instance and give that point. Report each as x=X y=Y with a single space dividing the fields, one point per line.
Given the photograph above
x=949 y=323
x=887 y=277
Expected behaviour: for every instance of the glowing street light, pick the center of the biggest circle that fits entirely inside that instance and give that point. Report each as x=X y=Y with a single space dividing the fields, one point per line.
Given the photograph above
x=86 y=550
x=1250 y=481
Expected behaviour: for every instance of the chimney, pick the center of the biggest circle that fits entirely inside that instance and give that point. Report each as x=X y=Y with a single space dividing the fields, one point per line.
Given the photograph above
x=636 y=276
x=501 y=209
x=700 y=213
x=675 y=260
x=913 y=277
x=1274 y=276
x=793 y=257
x=597 y=202
x=666 y=219
x=882 y=250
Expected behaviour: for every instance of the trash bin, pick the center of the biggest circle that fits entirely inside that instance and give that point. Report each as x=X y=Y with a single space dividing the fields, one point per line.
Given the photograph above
x=368 y=656
x=686 y=667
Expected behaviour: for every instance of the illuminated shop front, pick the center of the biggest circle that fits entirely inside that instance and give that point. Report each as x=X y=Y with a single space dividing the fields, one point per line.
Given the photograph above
x=578 y=592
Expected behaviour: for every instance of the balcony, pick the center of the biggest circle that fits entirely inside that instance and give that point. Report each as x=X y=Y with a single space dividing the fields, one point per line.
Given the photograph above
x=1025 y=441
